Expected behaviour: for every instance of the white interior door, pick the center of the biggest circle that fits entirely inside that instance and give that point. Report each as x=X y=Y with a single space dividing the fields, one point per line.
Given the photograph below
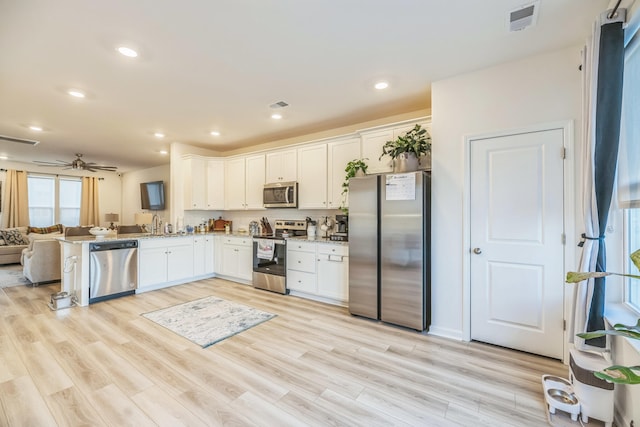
x=517 y=268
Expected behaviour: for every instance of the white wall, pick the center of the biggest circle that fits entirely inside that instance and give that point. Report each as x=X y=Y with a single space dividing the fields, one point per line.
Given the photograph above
x=131 y=201
x=241 y=219
x=538 y=89
x=110 y=185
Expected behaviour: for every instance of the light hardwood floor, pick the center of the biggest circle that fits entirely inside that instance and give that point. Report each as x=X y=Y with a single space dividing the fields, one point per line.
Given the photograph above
x=313 y=364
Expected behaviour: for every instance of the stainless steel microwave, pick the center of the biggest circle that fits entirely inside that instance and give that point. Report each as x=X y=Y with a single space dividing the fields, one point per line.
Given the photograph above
x=280 y=195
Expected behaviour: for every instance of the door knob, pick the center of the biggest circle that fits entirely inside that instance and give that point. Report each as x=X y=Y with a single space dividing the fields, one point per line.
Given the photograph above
x=477 y=251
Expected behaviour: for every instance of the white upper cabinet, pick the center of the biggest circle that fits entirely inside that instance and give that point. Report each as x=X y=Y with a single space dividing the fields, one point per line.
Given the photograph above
x=237 y=183
x=312 y=177
x=215 y=184
x=255 y=182
x=203 y=183
x=372 y=142
x=282 y=166
x=340 y=152
x=244 y=182
x=234 y=184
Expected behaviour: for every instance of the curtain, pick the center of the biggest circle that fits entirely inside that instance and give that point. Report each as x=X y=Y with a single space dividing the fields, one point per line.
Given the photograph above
x=603 y=68
x=89 y=209
x=15 y=204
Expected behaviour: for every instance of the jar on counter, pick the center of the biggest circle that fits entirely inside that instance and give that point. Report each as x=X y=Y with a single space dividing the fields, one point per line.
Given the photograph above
x=227 y=229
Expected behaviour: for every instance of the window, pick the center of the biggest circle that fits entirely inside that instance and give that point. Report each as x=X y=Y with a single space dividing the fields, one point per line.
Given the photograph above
x=54 y=200
x=629 y=156
x=632 y=293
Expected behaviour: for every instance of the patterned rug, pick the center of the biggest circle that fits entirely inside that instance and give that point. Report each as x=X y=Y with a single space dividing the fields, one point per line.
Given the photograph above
x=208 y=320
x=11 y=275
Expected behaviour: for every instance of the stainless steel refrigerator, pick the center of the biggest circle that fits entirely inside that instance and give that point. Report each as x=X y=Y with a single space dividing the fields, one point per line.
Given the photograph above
x=389 y=248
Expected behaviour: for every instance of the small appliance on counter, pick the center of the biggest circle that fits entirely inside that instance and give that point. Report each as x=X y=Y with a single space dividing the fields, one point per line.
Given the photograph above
x=254 y=228
x=221 y=224
x=342 y=226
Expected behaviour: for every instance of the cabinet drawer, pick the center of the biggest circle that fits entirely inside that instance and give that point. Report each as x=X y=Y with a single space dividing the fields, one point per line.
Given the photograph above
x=301 y=246
x=329 y=249
x=300 y=281
x=238 y=241
x=301 y=261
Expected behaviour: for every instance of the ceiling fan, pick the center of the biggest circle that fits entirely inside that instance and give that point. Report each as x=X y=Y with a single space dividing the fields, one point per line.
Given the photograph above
x=78 y=164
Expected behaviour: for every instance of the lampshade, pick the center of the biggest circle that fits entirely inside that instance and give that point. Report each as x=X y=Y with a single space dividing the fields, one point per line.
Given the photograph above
x=112 y=217
x=143 y=218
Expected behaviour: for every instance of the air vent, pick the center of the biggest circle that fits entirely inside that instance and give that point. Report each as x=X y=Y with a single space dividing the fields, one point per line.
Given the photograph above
x=523 y=17
x=279 y=104
x=19 y=140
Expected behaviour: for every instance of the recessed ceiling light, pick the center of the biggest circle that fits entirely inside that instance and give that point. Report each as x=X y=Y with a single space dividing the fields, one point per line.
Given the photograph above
x=76 y=93
x=215 y=133
x=159 y=135
x=35 y=128
x=4 y=158
x=127 y=51
x=276 y=116
x=381 y=85
x=164 y=152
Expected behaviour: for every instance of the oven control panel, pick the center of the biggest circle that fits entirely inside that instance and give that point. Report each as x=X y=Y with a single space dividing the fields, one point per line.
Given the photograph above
x=289 y=224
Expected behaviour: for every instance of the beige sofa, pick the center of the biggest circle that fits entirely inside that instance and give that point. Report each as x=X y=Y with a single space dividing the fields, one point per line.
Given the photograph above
x=41 y=259
x=10 y=254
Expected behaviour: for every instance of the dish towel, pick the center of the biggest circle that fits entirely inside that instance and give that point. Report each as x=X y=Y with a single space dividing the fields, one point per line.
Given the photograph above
x=265 y=249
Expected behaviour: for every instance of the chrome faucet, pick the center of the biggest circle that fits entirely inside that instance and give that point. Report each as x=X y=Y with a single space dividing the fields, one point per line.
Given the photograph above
x=155 y=224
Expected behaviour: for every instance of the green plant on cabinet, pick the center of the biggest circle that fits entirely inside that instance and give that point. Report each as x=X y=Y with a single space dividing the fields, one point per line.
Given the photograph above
x=416 y=141
x=353 y=168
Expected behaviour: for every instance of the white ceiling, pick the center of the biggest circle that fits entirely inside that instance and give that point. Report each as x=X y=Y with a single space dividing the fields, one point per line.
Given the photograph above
x=217 y=65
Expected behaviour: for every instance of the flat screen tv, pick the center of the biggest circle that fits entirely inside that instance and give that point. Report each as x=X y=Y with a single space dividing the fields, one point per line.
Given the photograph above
x=152 y=195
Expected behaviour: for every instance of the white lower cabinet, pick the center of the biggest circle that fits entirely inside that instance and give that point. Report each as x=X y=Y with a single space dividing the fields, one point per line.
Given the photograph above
x=203 y=255
x=301 y=266
x=333 y=271
x=318 y=271
x=164 y=260
x=237 y=257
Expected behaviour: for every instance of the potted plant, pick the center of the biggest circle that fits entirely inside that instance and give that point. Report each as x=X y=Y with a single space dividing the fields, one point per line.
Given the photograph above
x=356 y=167
x=407 y=149
x=616 y=374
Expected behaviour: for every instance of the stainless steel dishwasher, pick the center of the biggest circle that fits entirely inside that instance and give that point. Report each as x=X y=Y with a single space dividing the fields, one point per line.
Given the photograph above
x=113 y=269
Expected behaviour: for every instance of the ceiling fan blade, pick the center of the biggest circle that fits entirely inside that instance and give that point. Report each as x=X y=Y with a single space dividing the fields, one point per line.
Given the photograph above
x=78 y=164
x=43 y=163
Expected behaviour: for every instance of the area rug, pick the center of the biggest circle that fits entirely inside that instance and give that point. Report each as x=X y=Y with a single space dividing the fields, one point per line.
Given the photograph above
x=11 y=275
x=208 y=320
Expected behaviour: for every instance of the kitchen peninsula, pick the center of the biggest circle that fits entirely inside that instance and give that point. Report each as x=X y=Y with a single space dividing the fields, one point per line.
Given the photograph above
x=317 y=269
x=161 y=260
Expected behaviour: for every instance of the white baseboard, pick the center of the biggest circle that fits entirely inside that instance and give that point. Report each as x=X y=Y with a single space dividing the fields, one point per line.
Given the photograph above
x=453 y=334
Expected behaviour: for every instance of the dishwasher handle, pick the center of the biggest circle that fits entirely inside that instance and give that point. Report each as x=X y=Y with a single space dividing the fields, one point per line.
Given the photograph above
x=110 y=246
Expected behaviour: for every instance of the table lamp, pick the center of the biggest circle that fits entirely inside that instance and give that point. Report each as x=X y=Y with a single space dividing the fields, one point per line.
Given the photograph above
x=112 y=217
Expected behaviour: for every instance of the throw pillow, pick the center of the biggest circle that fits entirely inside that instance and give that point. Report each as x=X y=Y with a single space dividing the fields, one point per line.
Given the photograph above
x=13 y=237
x=57 y=228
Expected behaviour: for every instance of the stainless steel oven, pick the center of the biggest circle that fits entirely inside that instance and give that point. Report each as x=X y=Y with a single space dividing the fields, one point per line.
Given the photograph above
x=270 y=255
x=280 y=195
x=270 y=264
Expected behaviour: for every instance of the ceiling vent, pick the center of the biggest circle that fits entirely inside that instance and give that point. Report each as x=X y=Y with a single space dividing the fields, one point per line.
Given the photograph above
x=19 y=140
x=523 y=17
x=279 y=104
